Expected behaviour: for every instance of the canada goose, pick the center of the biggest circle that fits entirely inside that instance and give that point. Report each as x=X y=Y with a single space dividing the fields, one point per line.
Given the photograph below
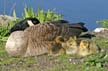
x=39 y=38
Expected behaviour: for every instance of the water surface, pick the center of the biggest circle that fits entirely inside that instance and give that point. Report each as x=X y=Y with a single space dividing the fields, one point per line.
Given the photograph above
x=88 y=11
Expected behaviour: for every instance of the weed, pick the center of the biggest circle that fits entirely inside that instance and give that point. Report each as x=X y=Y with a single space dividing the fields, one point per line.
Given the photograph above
x=104 y=23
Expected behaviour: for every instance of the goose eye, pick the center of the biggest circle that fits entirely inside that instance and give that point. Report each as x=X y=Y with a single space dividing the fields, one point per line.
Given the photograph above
x=34 y=21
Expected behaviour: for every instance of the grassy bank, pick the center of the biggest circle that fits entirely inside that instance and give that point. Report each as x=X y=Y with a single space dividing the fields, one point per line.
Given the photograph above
x=98 y=62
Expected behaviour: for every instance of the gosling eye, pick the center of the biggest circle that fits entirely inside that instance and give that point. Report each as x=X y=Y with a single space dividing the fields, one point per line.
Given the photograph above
x=71 y=44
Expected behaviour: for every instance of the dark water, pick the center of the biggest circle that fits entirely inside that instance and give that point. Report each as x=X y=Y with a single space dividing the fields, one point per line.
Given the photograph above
x=88 y=11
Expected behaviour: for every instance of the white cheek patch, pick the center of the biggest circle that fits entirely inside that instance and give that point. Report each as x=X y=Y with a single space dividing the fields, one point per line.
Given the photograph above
x=30 y=23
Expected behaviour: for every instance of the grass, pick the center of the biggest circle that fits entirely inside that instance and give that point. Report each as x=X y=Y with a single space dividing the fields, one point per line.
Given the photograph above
x=43 y=16
x=103 y=23
x=97 y=62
